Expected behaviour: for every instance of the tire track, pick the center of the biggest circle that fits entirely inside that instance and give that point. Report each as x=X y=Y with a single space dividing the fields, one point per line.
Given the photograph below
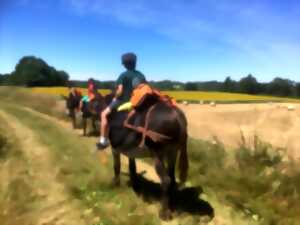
x=57 y=207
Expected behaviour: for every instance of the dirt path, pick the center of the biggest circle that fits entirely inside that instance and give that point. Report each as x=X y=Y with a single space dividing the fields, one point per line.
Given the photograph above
x=57 y=207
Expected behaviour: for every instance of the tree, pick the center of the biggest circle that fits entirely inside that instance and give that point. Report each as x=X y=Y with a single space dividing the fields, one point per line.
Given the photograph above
x=191 y=86
x=163 y=85
x=32 y=71
x=229 y=85
x=249 y=85
x=4 y=79
x=281 y=87
x=298 y=89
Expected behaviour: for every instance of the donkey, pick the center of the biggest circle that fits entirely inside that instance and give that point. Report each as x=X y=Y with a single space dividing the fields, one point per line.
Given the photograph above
x=166 y=121
x=72 y=104
x=92 y=110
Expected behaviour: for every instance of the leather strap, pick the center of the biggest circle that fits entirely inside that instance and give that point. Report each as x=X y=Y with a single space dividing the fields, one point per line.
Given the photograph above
x=153 y=135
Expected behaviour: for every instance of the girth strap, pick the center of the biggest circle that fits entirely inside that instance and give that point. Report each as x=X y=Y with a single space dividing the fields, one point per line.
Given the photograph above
x=153 y=135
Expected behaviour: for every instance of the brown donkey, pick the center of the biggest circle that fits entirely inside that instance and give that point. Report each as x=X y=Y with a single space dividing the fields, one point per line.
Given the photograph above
x=163 y=120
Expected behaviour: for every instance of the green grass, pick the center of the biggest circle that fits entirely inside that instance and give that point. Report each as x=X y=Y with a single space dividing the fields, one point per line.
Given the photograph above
x=254 y=181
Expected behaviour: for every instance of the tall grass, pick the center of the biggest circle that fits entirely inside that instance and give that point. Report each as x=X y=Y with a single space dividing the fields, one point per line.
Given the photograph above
x=253 y=180
x=24 y=97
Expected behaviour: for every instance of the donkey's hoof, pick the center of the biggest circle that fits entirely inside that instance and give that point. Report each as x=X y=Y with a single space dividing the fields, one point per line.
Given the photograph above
x=165 y=214
x=116 y=182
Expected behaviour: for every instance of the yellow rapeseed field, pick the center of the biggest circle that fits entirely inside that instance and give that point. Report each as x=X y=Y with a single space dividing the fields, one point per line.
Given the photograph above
x=62 y=90
x=179 y=95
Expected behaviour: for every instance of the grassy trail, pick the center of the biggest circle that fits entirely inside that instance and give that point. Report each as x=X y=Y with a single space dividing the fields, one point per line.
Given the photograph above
x=73 y=181
x=250 y=186
x=55 y=205
x=124 y=202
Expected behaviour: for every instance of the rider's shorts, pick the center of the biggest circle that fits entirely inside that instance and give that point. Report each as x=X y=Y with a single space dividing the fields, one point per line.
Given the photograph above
x=114 y=105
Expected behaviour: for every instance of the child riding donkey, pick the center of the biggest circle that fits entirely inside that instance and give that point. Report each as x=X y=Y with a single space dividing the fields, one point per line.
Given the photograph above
x=122 y=95
x=133 y=93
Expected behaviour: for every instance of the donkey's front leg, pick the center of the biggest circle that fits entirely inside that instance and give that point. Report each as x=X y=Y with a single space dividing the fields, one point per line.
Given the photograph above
x=73 y=118
x=84 y=124
x=117 y=168
x=165 y=212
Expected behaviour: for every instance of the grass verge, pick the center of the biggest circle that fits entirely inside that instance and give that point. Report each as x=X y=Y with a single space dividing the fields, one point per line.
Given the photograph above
x=254 y=180
x=24 y=97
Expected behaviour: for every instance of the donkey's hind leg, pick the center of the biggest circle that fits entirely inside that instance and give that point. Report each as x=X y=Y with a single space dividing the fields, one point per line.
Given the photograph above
x=94 y=121
x=117 y=168
x=165 y=212
x=172 y=156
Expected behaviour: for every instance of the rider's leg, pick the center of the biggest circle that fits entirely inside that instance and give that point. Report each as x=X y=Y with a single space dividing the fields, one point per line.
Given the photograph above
x=80 y=105
x=104 y=128
x=103 y=142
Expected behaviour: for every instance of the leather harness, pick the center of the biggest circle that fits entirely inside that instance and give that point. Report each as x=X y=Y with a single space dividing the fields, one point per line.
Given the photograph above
x=153 y=135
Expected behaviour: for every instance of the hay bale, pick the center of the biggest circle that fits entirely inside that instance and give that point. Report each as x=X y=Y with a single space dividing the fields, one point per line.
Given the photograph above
x=185 y=103
x=291 y=108
x=213 y=104
x=201 y=102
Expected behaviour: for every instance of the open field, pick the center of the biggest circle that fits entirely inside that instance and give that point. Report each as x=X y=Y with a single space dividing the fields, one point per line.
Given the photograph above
x=66 y=181
x=272 y=123
x=193 y=96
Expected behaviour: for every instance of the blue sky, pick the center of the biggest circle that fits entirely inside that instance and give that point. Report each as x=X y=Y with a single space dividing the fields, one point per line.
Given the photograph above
x=184 y=40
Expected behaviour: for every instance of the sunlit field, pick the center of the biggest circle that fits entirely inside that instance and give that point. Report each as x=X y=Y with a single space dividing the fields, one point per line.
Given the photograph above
x=253 y=184
x=194 y=96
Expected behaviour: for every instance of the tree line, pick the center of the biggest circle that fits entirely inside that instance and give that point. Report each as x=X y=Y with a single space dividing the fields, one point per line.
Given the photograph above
x=248 y=85
x=31 y=71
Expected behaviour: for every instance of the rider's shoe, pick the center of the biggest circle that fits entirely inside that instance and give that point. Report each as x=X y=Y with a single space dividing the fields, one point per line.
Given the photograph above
x=102 y=146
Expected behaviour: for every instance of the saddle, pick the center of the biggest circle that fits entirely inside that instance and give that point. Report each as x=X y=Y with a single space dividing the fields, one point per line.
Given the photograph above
x=146 y=104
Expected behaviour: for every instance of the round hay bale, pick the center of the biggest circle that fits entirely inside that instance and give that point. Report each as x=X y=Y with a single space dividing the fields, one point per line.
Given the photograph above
x=213 y=104
x=291 y=108
x=185 y=103
x=201 y=102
